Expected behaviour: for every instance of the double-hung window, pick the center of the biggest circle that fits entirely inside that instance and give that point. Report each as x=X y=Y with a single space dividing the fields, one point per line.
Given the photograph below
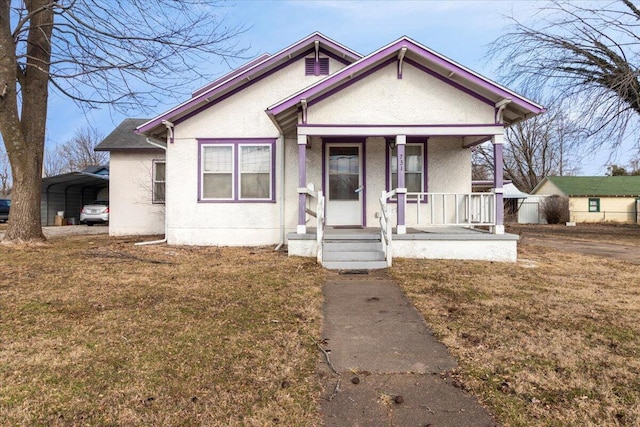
x=159 y=180
x=413 y=168
x=237 y=170
x=594 y=205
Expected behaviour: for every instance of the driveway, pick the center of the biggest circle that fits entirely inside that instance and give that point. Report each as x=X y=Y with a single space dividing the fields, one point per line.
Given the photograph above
x=620 y=252
x=70 y=230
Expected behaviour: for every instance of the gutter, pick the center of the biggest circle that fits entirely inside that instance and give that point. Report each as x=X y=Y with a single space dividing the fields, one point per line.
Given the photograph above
x=281 y=192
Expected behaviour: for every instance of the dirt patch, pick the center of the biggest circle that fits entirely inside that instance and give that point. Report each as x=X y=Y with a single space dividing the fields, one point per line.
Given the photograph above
x=618 y=241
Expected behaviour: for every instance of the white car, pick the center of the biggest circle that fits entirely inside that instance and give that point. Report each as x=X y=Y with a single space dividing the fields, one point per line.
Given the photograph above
x=96 y=212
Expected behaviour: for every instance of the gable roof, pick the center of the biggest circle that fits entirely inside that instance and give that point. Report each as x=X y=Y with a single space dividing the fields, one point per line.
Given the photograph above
x=595 y=186
x=247 y=75
x=518 y=107
x=123 y=137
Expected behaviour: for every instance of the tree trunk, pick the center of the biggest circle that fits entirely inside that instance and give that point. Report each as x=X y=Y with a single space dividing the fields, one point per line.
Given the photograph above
x=24 y=134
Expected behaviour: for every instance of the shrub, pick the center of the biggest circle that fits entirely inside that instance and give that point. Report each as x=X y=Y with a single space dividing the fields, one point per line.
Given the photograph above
x=555 y=209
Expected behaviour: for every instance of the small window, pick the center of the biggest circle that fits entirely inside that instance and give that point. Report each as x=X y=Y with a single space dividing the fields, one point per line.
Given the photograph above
x=316 y=68
x=237 y=171
x=159 y=179
x=594 y=205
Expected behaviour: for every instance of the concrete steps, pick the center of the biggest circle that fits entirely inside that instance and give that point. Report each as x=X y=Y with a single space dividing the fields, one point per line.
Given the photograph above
x=353 y=252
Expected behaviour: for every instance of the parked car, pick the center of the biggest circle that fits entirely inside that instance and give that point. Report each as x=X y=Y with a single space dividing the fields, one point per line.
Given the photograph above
x=5 y=205
x=96 y=212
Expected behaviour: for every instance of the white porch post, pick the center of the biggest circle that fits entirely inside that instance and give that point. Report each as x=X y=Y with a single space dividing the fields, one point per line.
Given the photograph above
x=401 y=142
x=302 y=184
x=498 y=178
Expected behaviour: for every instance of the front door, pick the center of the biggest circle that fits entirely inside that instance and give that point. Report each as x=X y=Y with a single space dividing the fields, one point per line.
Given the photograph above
x=344 y=187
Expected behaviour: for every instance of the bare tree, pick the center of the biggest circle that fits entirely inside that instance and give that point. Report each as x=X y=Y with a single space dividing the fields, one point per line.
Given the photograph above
x=5 y=174
x=97 y=53
x=543 y=145
x=78 y=152
x=587 y=53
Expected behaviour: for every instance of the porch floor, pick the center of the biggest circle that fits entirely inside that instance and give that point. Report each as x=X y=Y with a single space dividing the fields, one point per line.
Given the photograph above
x=442 y=242
x=422 y=233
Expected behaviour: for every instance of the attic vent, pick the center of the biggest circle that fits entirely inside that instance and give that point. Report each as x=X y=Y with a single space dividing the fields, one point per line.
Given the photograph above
x=324 y=66
x=313 y=68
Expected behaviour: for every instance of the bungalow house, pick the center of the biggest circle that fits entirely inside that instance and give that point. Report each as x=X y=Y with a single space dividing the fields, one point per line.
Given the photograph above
x=595 y=198
x=348 y=158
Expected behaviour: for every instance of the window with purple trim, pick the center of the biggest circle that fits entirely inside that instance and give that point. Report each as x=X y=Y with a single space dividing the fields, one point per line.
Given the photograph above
x=319 y=67
x=236 y=171
x=413 y=169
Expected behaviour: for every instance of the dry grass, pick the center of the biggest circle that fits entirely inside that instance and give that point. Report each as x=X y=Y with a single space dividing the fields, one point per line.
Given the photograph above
x=94 y=331
x=553 y=340
x=619 y=233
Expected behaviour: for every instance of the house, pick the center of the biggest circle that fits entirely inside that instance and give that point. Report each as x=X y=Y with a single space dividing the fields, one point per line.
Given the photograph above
x=595 y=198
x=68 y=192
x=136 y=193
x=316 y=145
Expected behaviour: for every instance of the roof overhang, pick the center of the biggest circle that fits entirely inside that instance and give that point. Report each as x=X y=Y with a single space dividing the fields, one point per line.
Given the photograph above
x=74 y=179
x=247 y=74
x=510 y=107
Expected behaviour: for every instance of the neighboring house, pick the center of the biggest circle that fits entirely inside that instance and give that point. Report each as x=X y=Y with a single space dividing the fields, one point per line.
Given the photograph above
x=595 y=198
x=317 y=141
x=136 y=193
x=68 y=192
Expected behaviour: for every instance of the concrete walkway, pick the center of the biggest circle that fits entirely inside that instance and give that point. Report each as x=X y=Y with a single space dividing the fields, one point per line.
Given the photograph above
x=389 y=368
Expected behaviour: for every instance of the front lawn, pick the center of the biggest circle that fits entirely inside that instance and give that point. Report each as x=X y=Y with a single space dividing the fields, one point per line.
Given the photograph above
x=97 y=331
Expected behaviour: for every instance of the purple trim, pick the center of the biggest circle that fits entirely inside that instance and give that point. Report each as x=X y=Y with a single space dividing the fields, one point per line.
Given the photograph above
x=349 y=83
x=450 y=82
x=435 y=126
x=304 y=44
x=498 y=180
x=243 y=85
x=302 y=183
x=420 y=51
x=230 y=74
x=351 y=140
x=236 y=143
x=344 y=139
x=424 y=141
x=340 y=59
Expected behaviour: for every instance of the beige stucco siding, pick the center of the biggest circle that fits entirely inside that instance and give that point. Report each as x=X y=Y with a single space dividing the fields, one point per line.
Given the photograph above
x=615 y=209
x=131 y=210
x=417 y=98
x=239 y=116
x=548 y=188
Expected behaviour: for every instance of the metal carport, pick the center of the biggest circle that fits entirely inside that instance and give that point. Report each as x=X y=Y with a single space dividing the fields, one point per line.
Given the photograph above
x=70 y=191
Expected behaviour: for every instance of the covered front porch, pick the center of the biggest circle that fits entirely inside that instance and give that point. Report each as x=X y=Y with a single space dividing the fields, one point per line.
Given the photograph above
x=401 y=222
x=384 y=145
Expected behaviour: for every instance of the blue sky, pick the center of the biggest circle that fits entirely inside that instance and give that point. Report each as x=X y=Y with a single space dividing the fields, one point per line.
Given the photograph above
x=460 y=30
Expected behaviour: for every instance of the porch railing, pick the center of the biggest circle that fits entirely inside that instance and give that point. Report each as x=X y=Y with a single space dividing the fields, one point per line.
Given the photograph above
x=318 y=214
x=457 y=209
x=386 y=231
